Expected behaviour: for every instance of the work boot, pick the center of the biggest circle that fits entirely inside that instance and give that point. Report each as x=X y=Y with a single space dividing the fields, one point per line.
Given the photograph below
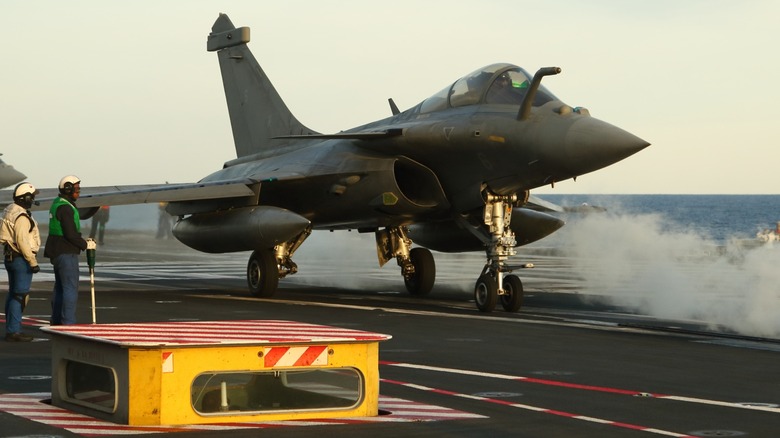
x=18 y=337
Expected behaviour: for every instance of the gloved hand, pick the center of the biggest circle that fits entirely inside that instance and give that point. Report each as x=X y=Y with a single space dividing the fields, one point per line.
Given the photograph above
x=91 y=244
x=36 y=269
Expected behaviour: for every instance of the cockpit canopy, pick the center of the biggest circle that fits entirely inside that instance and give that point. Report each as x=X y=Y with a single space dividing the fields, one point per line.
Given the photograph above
x=503 y=84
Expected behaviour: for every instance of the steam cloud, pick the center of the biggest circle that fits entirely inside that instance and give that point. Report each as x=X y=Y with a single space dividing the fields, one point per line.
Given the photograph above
x=641 y=263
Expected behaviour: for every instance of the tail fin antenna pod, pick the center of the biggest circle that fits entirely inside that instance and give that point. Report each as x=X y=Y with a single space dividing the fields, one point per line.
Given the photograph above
x=257 y=112
x=224 y=34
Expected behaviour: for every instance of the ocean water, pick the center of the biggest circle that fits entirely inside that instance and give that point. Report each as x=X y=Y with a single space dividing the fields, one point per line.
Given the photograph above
x=719 y=217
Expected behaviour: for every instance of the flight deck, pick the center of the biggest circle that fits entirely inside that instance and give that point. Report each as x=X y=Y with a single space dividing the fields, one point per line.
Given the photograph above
x=560 y=367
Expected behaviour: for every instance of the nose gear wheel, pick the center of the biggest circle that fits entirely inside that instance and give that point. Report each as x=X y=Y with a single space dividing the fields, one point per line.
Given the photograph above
x=512 y=299
x=486 y=293
x=491 y=284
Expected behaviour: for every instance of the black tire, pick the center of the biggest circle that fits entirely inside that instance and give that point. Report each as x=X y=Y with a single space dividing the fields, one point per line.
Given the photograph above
x=421 y=282
x=486 y=293
x=513 y=299
x=262 y=274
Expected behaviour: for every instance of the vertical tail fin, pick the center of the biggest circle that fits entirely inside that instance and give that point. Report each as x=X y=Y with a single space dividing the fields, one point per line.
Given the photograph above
x=257 y=112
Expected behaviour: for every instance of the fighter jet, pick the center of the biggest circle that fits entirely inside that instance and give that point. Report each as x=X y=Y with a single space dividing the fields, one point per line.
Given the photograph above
x=9 y=175
x=452 y=173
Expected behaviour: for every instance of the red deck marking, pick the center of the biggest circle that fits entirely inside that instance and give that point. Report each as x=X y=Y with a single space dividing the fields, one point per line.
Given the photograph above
x=579 y=386
x=543 y=410
x=771 y=409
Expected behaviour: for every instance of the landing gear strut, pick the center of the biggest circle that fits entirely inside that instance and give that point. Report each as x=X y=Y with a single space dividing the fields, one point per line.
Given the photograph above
x=267 y=266
x=417 y=265
x=492 y=283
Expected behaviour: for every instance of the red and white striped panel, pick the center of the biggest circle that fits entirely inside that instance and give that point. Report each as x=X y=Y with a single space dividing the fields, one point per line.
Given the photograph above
x=315 y=355
x=188 y=333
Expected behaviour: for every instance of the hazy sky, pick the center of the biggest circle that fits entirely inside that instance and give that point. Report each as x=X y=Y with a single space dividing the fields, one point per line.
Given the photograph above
x=125 y=92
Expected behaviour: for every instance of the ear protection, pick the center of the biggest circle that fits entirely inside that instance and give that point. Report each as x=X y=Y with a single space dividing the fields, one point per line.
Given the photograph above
x=67 y=188
x=67 y=185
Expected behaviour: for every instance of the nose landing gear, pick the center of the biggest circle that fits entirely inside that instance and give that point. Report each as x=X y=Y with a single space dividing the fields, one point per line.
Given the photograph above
x=492 y=283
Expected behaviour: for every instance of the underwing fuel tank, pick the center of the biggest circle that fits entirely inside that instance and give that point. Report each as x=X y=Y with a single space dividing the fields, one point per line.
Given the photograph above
x=243 y=229
x=528 y=225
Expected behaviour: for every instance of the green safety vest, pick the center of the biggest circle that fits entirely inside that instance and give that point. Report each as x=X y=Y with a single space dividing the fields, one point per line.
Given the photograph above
x=55 y=227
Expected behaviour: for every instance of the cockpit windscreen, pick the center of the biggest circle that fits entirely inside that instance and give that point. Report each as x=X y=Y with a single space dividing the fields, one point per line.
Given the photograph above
x=502 y=84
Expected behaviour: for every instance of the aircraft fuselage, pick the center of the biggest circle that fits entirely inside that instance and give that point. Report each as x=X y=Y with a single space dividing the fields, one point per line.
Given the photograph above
x=437 y=167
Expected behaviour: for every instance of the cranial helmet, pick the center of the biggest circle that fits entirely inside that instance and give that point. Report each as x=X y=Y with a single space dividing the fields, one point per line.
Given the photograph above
x=25 y=188
x=24 y=194
x=67 y=184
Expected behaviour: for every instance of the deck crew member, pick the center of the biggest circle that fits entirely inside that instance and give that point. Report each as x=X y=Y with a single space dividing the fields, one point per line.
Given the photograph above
x=21 y=241
x=63 y=247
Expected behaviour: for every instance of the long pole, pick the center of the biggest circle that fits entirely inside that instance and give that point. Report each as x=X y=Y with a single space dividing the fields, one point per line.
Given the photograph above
x=91 y=263
x=92 y=290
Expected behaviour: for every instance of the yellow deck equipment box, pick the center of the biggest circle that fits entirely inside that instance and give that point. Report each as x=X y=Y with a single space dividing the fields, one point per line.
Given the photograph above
x=170 y=373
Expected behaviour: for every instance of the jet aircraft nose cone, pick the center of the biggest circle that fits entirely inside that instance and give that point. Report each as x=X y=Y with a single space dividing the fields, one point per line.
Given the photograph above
x=591 y=144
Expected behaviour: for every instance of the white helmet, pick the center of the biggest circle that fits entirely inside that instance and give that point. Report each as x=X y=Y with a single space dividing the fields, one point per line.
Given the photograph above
x=67 y=183
x=24 y=195
x=25 y=188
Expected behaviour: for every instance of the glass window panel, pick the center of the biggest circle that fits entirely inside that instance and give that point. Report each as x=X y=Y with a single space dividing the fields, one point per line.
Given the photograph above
x=90 y=385
x=262 y=391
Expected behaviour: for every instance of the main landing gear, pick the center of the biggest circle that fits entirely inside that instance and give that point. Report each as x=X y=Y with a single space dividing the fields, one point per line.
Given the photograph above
x=417 y=265
x=267 y=266
x=495 y=283
x=492 y=284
